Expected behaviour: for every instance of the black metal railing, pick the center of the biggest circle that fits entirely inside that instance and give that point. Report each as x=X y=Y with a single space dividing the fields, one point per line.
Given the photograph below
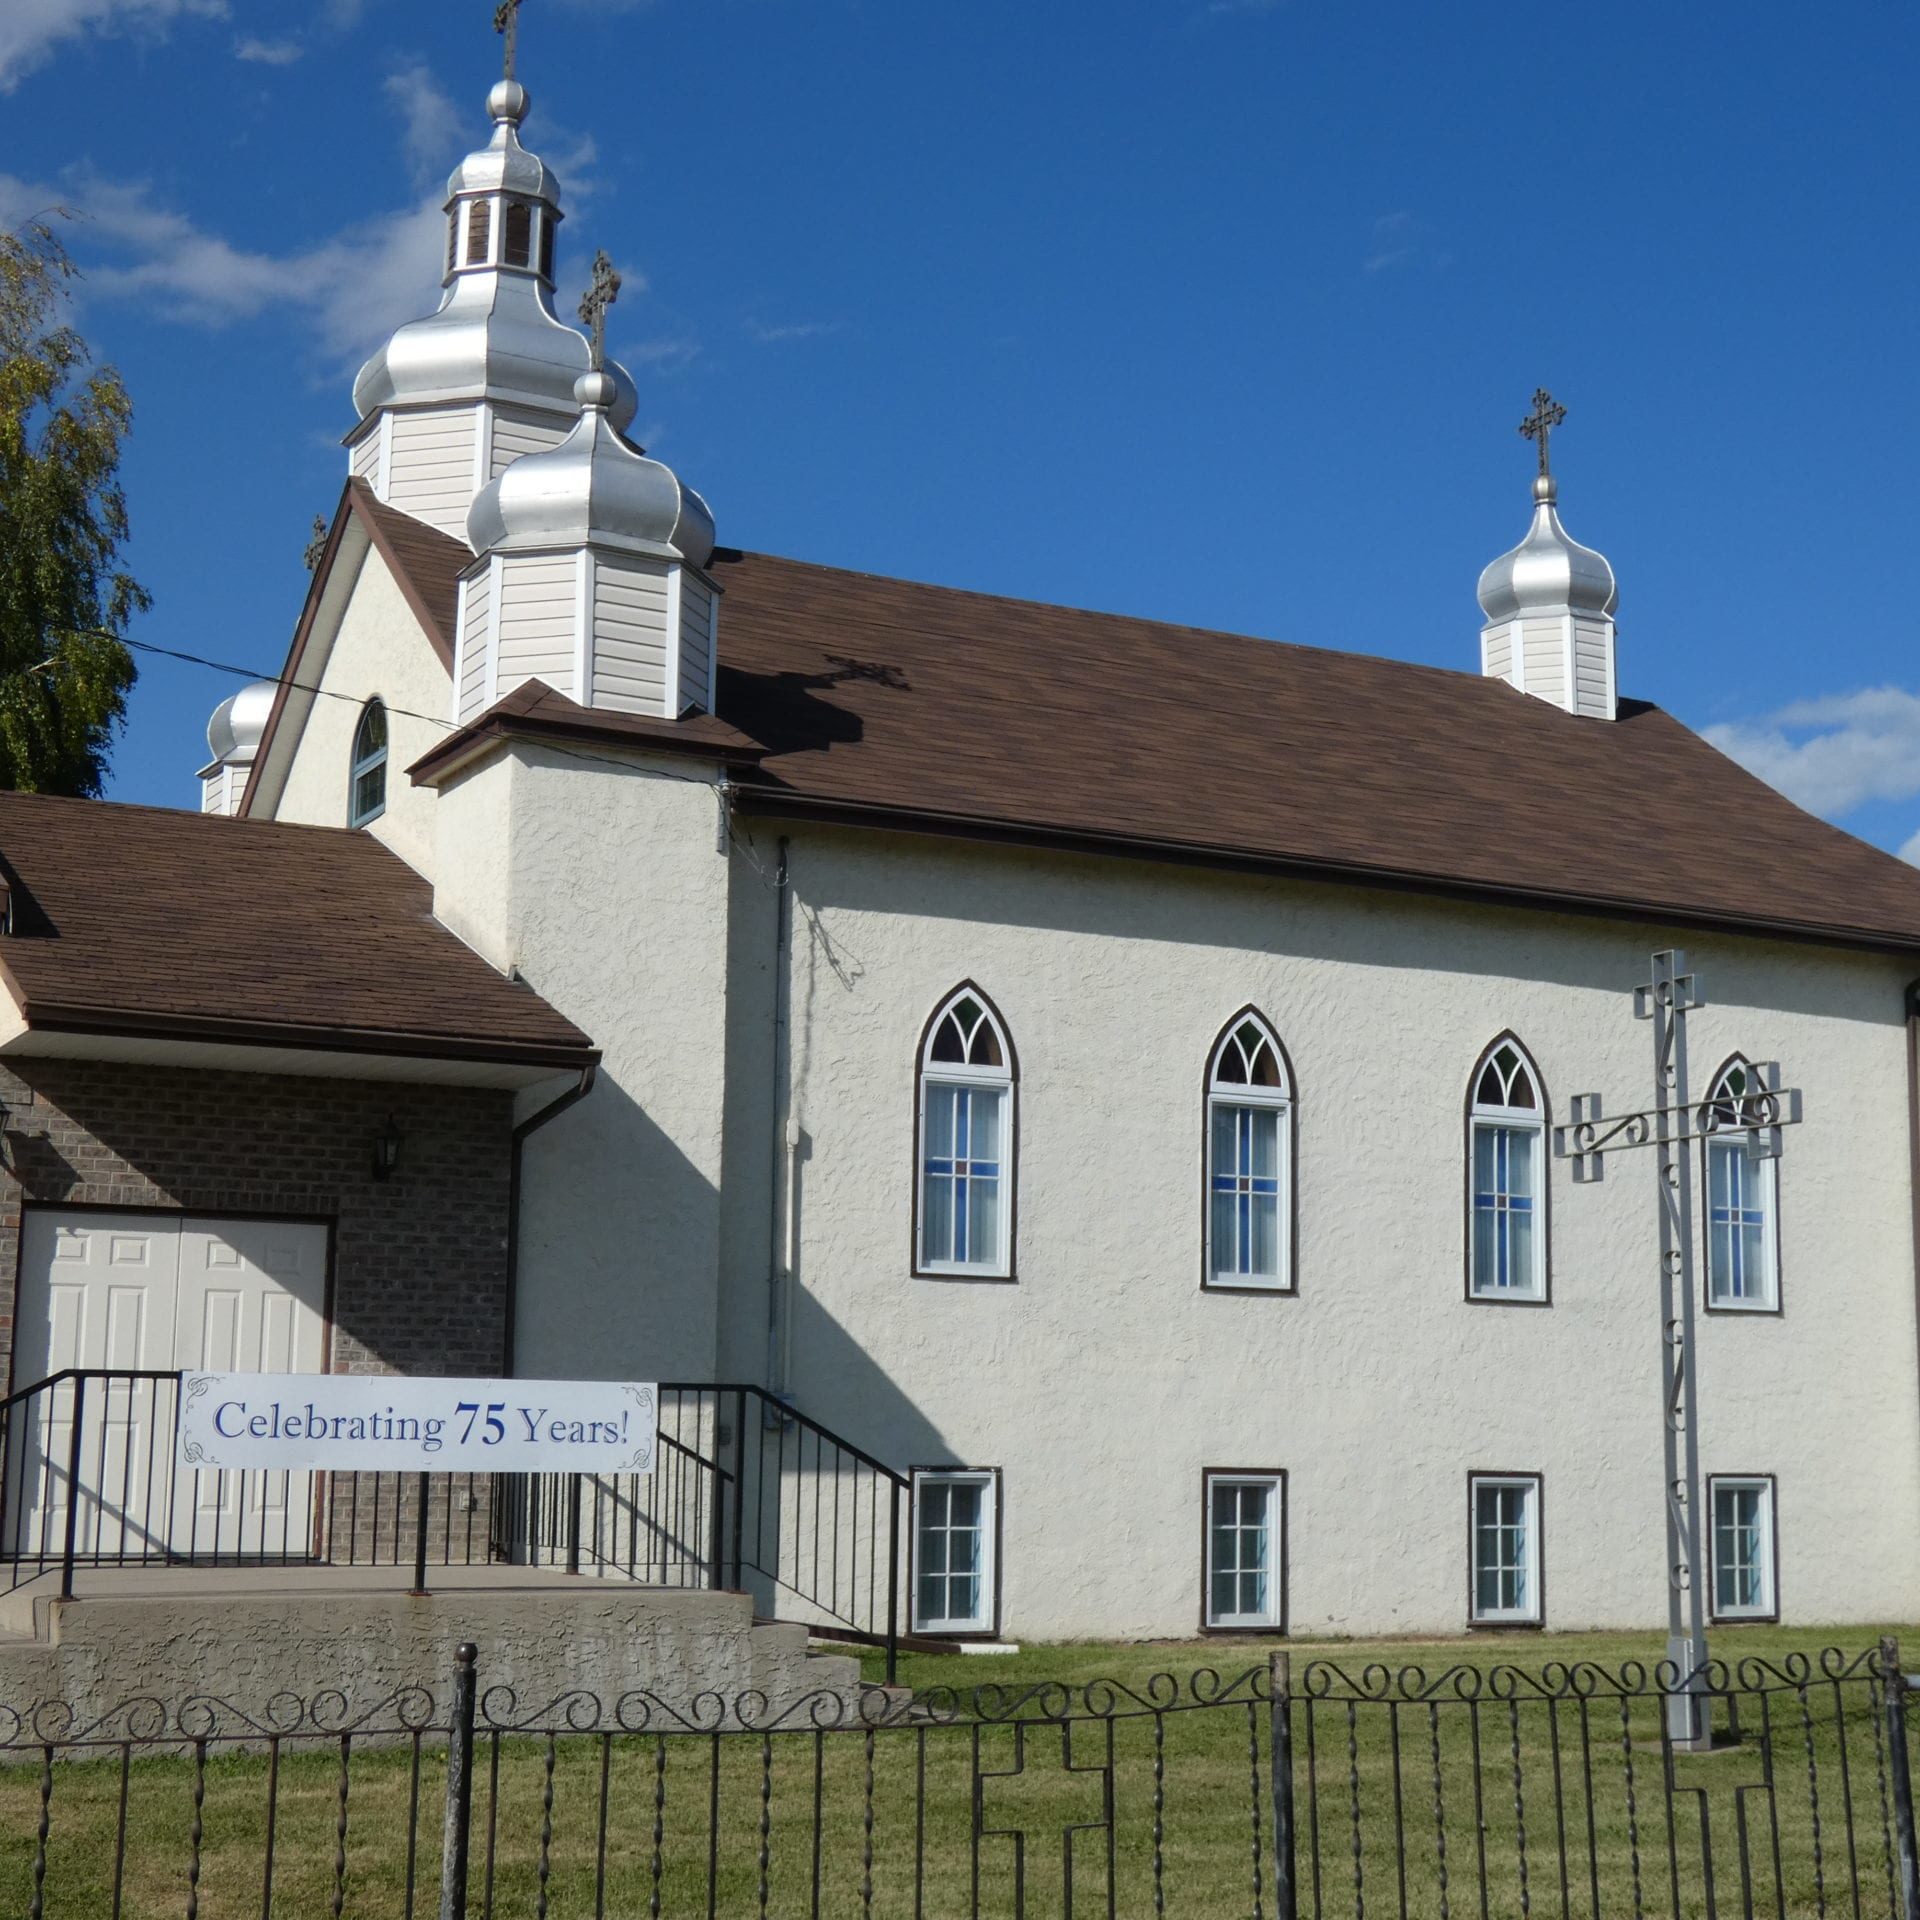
x=746 y=1494
x=1300 y=1794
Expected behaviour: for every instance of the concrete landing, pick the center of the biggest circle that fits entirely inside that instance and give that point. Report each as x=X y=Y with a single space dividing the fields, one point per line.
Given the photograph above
x=243 y=1635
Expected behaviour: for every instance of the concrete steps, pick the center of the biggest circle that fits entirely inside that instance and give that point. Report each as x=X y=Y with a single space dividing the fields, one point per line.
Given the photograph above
x=245 y=1636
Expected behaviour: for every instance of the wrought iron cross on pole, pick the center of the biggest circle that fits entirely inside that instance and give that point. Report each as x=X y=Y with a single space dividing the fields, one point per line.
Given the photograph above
x=1671 y=1126
x=600 y=295
x=506 y=21
x=1539 y=424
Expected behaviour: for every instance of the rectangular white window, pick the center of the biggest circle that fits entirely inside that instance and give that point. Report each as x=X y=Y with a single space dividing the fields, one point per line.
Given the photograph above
x=1742 y=1261
x=1743 y=1549
x=1509 y=1244
x=962 y=1178
x=1245 y=1517
x=1244 y=1173
x=953 y=1552
x=1505 y=1519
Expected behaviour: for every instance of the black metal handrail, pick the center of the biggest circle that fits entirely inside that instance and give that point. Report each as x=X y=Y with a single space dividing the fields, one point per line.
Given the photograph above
x=748 y=1493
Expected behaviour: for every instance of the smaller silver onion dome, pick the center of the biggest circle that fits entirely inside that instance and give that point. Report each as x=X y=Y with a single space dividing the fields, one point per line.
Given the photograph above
x=594 y=488
x=239 y=722
x=1549 y=571
x=503 y=165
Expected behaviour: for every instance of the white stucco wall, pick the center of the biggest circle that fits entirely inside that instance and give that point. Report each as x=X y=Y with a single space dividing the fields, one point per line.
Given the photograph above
x=599 y=880
x=378 y=649
x=1104 y=1380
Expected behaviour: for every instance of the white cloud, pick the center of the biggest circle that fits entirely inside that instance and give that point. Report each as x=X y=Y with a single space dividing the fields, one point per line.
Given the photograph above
x=793 y=330
x=30 y=30
x=1834 y=753
x=431 y=125
x=1910 y=850
x=268 y=53
x=349 y=292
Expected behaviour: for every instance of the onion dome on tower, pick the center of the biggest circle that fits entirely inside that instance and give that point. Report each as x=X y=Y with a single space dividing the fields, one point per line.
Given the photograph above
x=592 y=569
x=452 y=398
x=1549 y=602
x=234 y=734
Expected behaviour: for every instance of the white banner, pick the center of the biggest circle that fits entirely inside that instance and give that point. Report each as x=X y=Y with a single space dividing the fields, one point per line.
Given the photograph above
x=388 y=1424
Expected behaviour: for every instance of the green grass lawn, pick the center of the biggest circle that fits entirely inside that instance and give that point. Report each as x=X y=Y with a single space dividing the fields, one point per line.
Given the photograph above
x=1367 y=1780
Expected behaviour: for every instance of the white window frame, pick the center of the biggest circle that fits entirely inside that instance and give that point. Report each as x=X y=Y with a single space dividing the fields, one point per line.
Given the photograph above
x=998 y=1264
x=1277 y=1100
x=1768 y=1607
x=1504 y=1116
x=360 y=764
x=985 y=1621
x=1533 y=1614
x=1766 y=1173
x=1275 y=1486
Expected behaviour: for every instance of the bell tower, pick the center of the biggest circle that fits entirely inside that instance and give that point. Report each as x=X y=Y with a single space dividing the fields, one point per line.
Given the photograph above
x=454 y=398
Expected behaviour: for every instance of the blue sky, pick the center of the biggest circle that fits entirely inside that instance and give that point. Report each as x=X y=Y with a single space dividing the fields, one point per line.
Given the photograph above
x=1221 y=311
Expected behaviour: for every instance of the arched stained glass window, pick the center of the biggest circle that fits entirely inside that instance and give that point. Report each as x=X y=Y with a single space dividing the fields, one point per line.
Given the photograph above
x=367 y=777
x=965 y=1141
x=1743 y=1195
x=1249 y=1221
x=1506 y=1177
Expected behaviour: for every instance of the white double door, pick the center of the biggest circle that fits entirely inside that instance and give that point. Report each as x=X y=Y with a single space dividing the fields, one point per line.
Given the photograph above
x=155 y=1291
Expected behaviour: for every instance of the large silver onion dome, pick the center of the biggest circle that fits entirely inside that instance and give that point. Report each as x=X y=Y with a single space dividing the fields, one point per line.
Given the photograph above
x=239 y=722
x=494 y=337
x=592 y=488
x=1549 y=571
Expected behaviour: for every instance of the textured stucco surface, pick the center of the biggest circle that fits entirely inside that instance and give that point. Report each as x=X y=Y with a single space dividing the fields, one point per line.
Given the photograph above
x=600 y=882
x=1104 y=1380
x=379 y=649
x=597 y=1636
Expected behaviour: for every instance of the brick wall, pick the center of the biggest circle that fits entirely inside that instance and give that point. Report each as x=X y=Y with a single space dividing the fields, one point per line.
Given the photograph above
x=419 y=1261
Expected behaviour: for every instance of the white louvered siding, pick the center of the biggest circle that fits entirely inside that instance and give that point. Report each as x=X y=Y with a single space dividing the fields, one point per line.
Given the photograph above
x=430 y=469
x=1496 y=659
x=1592 y=657
x=1545 y=644
x=519 y=430
x=363 y=457
x=698 y=605
x=473 y=645
x=537 y=620
x=629 y=636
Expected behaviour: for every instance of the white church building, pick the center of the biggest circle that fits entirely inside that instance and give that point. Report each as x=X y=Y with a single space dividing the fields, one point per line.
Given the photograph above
x=1107 y=1071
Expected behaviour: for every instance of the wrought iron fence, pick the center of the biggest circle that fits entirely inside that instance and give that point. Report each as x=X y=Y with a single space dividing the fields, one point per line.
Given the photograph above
x=1318 y=1791
x=746 y=1494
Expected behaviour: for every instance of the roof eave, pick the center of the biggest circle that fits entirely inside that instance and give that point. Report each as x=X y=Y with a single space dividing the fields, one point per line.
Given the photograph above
x=786 y=804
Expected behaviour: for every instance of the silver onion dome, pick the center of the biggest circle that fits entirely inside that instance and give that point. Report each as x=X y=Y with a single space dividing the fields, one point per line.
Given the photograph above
x=503 y=165
x=495 y=335
x=593 y=488
x=239 y=722
x=1549 y=571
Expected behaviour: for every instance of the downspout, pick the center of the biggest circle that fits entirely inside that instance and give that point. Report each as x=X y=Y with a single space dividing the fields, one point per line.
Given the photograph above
x=783 y=1145
x=532 y=1124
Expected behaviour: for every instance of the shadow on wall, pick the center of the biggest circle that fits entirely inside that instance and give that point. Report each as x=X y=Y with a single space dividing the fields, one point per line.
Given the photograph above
x=619 y=1249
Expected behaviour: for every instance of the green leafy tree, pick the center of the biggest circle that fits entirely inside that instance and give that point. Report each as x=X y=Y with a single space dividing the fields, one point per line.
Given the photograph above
x=64 y=602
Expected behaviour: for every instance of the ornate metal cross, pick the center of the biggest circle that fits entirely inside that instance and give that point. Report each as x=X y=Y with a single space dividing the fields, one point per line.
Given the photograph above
x=506 y=21
x=1539 y=424
x=604 y=291
x=1670 y=1126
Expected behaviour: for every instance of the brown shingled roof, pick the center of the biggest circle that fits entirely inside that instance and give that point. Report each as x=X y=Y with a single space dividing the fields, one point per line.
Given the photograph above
x=143 y=921
x=893 y=702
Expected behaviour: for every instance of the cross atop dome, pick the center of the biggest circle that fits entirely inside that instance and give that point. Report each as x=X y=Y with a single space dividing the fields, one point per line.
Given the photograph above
x=1537 y=426
x=600 y=295
x=506 y=23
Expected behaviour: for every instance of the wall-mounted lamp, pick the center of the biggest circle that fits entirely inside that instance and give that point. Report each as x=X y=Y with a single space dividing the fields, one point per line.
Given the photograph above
x=386 y=1150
